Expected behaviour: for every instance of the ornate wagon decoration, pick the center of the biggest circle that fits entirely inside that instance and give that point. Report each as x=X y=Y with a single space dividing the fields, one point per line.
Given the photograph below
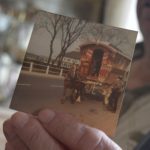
x=102 y=64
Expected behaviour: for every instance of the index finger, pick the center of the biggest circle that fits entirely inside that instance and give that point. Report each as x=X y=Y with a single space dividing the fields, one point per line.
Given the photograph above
x=73 y=134
x=30 y=131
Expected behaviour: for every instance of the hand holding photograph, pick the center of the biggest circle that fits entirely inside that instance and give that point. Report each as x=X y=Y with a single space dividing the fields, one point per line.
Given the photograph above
x=77 y=67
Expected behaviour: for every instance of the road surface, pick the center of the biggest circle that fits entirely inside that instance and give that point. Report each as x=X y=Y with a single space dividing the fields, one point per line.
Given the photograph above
x=34 y=92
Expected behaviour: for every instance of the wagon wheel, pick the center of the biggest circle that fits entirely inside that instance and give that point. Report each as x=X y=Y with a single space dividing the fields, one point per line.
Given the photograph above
x=74 y=96
x=87 y=88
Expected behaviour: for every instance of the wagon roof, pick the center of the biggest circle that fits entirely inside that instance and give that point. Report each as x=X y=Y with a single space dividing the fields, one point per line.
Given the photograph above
x=105 y=45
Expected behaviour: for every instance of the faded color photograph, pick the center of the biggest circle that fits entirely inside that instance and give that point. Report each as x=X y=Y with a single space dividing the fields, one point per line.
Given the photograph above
x=75 y=66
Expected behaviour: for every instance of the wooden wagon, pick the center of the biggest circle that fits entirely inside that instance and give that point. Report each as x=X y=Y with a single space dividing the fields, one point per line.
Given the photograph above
x=100 y=67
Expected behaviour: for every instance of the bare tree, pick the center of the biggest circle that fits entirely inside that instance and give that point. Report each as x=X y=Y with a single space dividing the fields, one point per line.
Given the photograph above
x=71 y=30
x=93 y=33
x=52 y=23
x=96 y=33
x=117 y=37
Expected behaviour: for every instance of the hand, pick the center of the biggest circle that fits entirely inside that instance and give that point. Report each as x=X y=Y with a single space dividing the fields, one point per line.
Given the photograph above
x=53 y=131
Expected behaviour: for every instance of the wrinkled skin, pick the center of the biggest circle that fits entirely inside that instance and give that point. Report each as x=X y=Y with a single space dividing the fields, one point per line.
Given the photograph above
x=53 y=131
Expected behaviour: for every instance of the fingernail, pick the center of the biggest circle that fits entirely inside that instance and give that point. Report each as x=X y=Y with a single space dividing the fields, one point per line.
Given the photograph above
x=46 y=116
x=20 y=120
x=8 y=130
x=8 y=146
x=9 y=135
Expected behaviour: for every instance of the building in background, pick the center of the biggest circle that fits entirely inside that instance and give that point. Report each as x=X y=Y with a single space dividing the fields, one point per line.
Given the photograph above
x=70 y=59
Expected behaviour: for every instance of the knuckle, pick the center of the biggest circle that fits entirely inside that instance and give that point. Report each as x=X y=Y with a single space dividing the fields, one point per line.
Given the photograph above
x=33 y=139
x=100 y=145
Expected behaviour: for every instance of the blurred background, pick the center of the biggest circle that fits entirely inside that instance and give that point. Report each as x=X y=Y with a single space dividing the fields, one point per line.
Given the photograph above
x=16 y=24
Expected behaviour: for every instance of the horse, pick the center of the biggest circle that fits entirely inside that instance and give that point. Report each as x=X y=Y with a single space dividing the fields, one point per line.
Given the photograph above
x=73 y=86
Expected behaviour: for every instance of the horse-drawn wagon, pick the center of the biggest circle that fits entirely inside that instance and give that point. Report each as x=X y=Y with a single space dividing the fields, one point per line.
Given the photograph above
x=101 y=65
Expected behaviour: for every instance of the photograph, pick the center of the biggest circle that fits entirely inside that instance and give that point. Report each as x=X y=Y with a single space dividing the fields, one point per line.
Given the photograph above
x=78 y=67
